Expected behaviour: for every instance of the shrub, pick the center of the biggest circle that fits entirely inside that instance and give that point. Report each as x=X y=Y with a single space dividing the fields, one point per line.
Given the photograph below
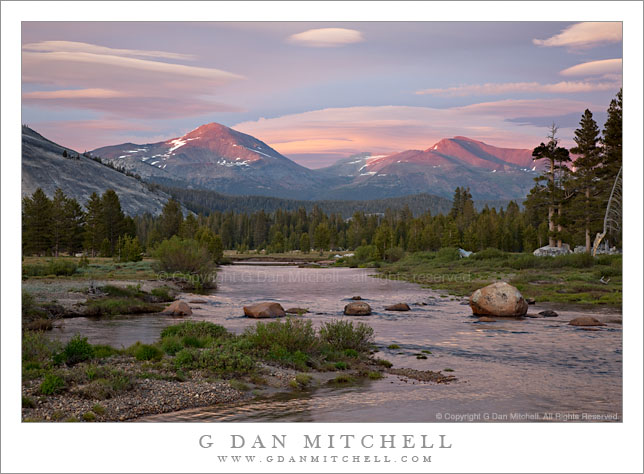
x=145 y=352
x=373 y=375
x=102 y=351
x=303 y=379
x=171 y=345
x=352 y=353
x=341 y=380
x=186 y=358
x=291 y=335
x=394 y=254
x=162 y=294
x=52 y=384
x=119 y=305
x=383 y=362
x=75 y=351
x=98 y=409
x=178 y=255
x=128 y=249
x=488 y=254
x=27 y=402
x=393 y=346
x=89 y=416
x=57 y=267
x=448 y=254
x=343 y=335
x=196 y=329
x=341 y=365
x=366 y=253
x=36 y=347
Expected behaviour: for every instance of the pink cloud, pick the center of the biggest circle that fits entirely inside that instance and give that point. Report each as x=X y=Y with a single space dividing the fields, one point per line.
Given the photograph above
x=565 y=87
x=594 y=68
x=111 y=80
x=326 y=37
x=389 y=129
x=585 y=35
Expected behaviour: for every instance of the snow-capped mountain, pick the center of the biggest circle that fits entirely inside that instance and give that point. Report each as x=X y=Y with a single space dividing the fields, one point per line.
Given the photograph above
x=490 y=172
x=216 y=157
x=219 y=158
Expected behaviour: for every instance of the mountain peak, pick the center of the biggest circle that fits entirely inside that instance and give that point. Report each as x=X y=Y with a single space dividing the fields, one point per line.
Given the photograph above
x=211 y=130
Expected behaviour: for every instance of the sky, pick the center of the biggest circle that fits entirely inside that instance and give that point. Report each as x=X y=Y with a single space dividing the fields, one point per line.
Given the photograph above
x=318 y=92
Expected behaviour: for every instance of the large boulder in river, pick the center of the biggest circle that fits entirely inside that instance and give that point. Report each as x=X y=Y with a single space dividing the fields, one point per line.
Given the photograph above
x=586 y=321
x=398 y=307
x=357 y=309
x=178 y=308
x=264 y=310
x=498 y=299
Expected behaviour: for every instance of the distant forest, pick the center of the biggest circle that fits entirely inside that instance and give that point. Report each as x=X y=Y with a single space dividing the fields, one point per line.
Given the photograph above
x=206 y=202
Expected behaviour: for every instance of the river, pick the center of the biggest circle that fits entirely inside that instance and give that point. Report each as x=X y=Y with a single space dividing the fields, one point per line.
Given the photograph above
x=509 y=370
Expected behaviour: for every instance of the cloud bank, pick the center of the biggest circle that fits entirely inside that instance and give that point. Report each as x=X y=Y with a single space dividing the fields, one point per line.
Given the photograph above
x=118 y=82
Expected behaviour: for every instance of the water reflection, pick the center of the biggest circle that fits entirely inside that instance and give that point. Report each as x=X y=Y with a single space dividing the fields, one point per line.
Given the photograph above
x=510 y=366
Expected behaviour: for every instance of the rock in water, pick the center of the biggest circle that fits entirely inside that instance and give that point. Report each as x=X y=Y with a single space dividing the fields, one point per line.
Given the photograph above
x=357 y=309
x=498 y=299
x=398 y=307
x=265 y=310
x=586 y=321
x=178 y=308
x=549 y=313
x=530 y=300
x=356 y=298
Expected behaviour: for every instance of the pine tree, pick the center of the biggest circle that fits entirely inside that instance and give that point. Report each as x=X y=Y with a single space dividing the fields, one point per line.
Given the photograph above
x=112 y=222
x=93 y=225
x=59 y=222
x=557 y=157
x=585 y=207
x=171 y=219
x=611 y=159
x=36 y=223
x=305 y=243
x=75 y=218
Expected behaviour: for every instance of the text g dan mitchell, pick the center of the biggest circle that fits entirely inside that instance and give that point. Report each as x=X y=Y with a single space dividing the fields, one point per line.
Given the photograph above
x=342 y=441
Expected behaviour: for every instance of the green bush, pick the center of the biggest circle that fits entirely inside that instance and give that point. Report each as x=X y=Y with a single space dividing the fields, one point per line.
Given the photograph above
x=342 y=335
x=52 y=384
x=75 y=351
x=187 y=256
x=225 y=360
x=171 y=345
x=292 y=335
x=103 y=351
x=89 y=416
x=145 y=352
x=394 y=254
x=128 y=249
x=27 y=402
x=448 y=254
x=162 y=294
x=488 y=254
x=195 y=329
x=186 y=358
x=36 y=347
x=57 y=267
x=366 y=253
